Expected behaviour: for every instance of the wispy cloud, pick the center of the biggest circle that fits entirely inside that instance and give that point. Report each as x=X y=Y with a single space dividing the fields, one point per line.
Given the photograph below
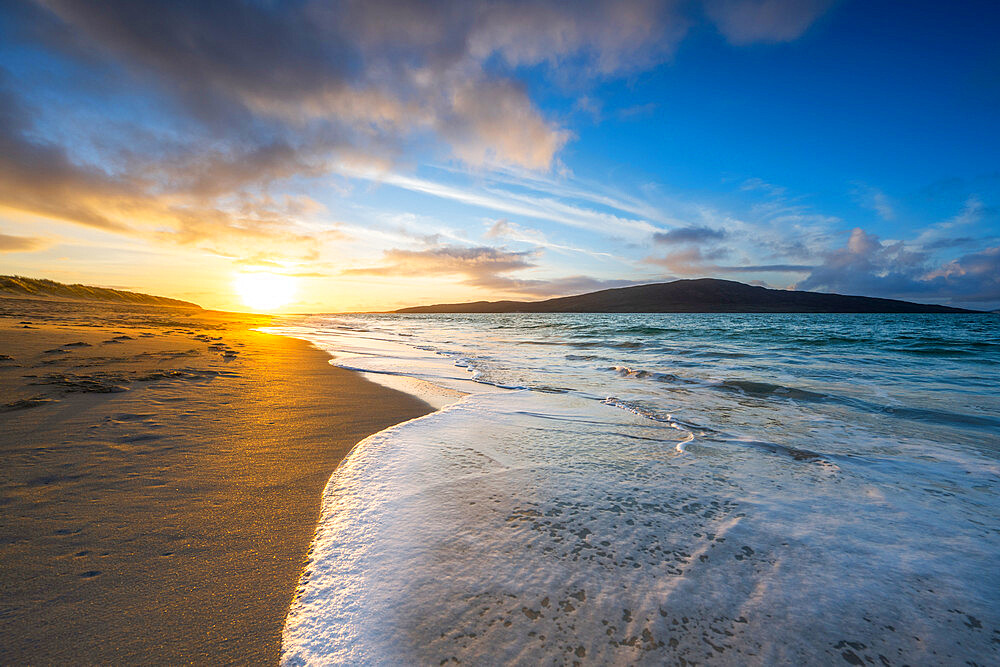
x=502 y=201
x=636 y=111
x=749 y=21
x=876 y=200
x=571 y=188
x=511 y=231
x=697 y=262
x=755 y=183
x=567 y=286
x=955 y=230
x=10 y=243
x=483 y=267
x=478 y=265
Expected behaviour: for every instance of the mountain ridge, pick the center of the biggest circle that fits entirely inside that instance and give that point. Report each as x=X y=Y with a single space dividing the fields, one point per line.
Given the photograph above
x=701 y=295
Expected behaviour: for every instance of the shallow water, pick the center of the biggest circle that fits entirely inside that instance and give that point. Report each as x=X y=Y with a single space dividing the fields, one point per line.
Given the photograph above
x=649 y=488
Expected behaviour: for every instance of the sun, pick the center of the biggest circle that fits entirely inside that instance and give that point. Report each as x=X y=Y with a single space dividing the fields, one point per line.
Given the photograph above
x=265 y=291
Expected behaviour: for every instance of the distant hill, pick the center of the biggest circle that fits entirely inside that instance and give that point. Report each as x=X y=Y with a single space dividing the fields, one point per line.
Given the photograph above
x=705 y=295
x=39 y=287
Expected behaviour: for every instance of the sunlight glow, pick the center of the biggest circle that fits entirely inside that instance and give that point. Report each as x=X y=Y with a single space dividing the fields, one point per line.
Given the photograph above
x=264 y=291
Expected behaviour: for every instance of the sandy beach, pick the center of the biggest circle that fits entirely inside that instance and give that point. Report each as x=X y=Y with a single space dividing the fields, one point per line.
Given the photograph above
x=161 y=480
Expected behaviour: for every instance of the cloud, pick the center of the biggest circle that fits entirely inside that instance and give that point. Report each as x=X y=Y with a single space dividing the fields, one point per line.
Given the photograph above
x=765 y=268
x=591 y=106
x=209 y=198
x=699 y=252
x=497 y=122
x=485 y=267
x=504 y=229
x=745 y=22
x=755 y=183
x=479 y=266
x=206 y=110
x=217 y=105
x=567 y=286
x=605 y=37
x=637 y=111
x=954 y=242
x=868 y=266
x=876 y=200
x=689 y=235
x=542 y=207
x=500 y=229
x=689 y=261
x=973 y=278
x=943 y=234
x=40 y=179
x=694 y=261
x=369 y=74
x=9 y=243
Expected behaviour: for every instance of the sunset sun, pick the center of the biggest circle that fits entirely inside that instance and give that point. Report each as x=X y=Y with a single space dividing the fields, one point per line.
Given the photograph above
x=264 y=291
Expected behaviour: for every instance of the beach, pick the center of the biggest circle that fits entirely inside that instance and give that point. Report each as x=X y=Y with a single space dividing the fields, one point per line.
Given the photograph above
x=181 y=487
x=163 y=470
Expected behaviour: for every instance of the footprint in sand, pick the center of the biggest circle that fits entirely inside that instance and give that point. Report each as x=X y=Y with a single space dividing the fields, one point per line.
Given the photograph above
x=24 y=403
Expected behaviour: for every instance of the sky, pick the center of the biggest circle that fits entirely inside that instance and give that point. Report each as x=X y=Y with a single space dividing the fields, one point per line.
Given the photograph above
x=387 y=153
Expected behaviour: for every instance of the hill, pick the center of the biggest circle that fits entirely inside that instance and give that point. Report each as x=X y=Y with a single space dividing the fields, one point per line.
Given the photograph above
x=705 y=295
x=40 y=287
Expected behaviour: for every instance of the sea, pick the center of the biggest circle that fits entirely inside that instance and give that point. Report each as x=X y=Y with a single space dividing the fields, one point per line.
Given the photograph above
x=649 y=489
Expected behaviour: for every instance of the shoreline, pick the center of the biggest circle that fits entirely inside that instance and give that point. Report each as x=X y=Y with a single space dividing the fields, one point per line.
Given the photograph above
x=162 y=491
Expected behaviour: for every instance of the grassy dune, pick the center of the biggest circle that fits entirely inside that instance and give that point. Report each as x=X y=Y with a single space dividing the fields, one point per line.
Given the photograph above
x=40 y=287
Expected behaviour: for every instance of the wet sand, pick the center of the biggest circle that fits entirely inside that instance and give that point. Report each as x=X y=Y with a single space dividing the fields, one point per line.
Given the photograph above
x=161 y=478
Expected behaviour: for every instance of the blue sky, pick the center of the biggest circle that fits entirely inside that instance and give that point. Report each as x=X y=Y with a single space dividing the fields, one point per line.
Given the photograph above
x=391 y=153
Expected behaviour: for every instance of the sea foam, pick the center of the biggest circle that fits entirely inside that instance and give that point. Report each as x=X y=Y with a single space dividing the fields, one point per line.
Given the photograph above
x=525 y=526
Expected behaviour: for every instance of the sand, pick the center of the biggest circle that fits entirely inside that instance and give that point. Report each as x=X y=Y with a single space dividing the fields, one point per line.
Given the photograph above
x=161 y=478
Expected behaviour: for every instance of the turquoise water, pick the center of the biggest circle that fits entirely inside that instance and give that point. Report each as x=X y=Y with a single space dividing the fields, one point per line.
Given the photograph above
x=645 y=488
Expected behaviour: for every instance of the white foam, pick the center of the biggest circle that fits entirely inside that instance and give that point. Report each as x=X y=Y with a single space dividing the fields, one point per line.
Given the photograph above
x=527 y=527
x=495 y=531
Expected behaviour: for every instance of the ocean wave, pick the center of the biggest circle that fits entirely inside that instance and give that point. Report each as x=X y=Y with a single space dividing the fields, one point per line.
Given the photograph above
x=768 y=390
x=656 y=415
x=744 y=387
x=938 y=416
x=933 y=350
x=638 y=504
x=642 y=374
x=772 y=391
